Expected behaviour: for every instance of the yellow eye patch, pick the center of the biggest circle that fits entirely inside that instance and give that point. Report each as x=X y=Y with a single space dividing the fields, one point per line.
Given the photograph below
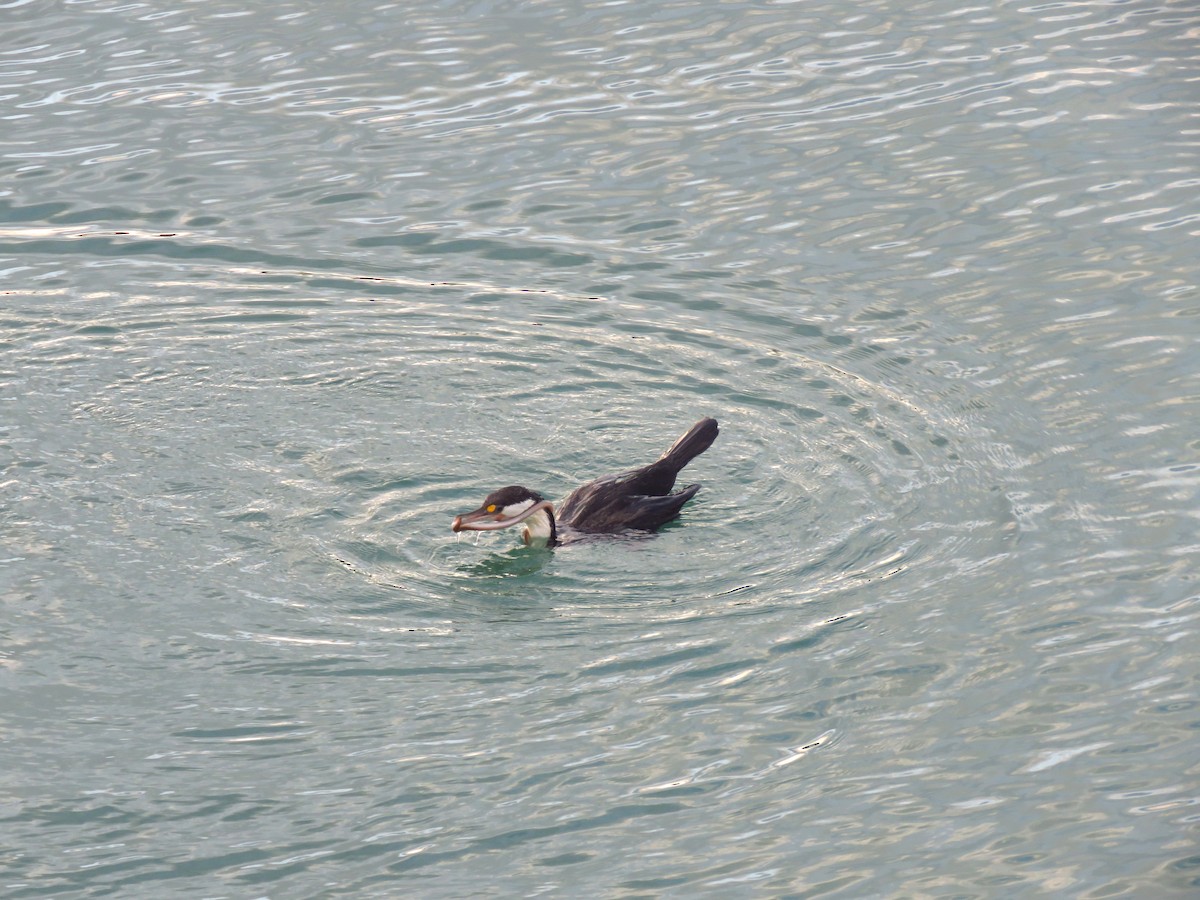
x=491 y=507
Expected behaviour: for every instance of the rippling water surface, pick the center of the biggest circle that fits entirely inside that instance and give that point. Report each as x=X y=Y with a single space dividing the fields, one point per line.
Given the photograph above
x=283 y=288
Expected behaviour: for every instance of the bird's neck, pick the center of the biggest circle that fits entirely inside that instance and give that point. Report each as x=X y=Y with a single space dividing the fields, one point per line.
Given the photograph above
x=540 y=529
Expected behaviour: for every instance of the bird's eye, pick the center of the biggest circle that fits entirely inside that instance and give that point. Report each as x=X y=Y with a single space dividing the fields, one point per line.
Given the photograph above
x=491 y=507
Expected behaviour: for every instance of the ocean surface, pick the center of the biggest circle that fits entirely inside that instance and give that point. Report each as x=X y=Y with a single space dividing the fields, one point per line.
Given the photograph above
x=286 y=286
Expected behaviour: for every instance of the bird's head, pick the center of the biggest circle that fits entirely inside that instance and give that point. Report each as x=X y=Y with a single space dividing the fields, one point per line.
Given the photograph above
x=507 y=507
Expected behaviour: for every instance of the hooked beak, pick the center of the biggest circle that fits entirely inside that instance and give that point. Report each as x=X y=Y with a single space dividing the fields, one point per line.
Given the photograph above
x=482 y=520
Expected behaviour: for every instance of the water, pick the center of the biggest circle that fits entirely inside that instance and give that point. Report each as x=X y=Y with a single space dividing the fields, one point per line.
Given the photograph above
x=285 y=288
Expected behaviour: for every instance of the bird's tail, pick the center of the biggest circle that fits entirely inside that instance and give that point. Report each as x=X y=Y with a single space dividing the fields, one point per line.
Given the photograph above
x=698 y=439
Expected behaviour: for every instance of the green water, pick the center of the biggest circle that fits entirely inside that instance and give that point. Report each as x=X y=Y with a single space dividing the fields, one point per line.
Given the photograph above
x=284 y=290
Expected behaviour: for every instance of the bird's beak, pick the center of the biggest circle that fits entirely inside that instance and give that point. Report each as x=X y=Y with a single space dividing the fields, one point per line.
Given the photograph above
x=479 y=520
x=482 y=520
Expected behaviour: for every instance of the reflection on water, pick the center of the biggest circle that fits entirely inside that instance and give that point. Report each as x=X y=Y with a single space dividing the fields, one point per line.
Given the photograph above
x=285 y=288
x=520 y=562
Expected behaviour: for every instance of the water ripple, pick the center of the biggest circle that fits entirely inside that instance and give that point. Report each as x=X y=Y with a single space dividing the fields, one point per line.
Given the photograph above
x=286 y=287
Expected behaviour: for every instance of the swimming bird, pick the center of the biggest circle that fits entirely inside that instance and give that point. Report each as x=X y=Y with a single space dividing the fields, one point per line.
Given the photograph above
x=637 y=500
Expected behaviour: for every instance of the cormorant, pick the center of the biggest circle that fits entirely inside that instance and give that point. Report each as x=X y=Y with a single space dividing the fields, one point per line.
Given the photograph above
x=637 y=500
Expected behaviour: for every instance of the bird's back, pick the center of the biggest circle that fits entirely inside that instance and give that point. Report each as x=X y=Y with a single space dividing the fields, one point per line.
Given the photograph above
x=639 y=499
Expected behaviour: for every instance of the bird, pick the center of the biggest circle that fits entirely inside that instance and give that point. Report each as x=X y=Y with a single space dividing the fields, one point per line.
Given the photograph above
x=637 y=500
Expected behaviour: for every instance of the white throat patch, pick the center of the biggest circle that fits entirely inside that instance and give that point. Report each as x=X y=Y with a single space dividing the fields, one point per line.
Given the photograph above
x=537 y=527
x=515 y=509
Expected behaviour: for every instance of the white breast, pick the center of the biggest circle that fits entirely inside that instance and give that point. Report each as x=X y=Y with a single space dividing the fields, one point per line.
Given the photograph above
x=537 y=527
